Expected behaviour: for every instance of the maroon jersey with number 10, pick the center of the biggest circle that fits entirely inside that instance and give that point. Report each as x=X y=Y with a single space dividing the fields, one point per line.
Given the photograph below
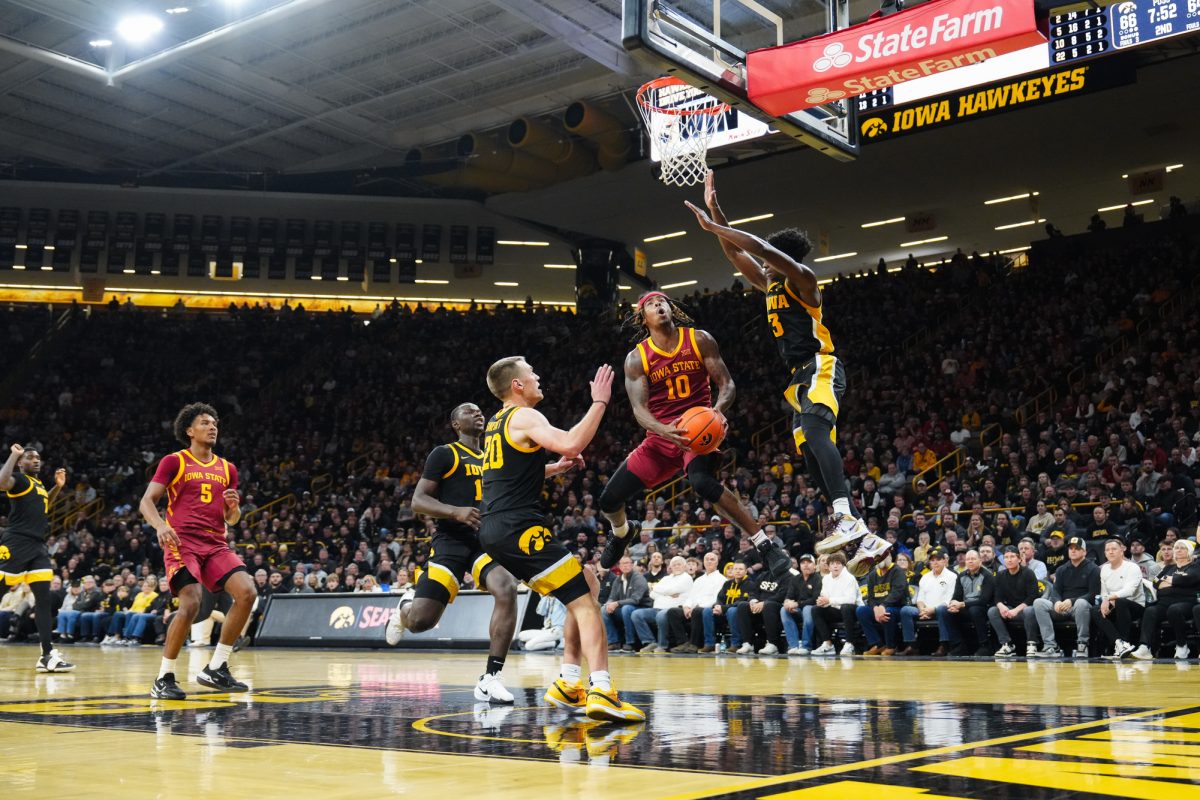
x=678 y=379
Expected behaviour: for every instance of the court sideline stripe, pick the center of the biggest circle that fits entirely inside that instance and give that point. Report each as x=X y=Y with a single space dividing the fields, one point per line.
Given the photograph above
x=921 y=754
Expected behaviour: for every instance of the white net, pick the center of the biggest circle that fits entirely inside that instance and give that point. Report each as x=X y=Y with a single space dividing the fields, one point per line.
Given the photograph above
x=681 y=120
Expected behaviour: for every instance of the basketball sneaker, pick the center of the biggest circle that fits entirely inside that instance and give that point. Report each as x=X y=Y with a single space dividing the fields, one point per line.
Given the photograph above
x=53 y=662
x=870 y=551
x=1143 y=653
x=615 y=547
x=165 y=688
x=1182 y=653
x=394 y=631
x=220 y=679
x=603 y=741
x=607 y=706
x=570 y=697
x=842 y=530
x=491 y=690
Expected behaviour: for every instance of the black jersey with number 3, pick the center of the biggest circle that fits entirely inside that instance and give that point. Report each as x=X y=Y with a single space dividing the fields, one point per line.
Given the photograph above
x=458 y=471
x=797 y=327
x=513 y=476
x=28 y=503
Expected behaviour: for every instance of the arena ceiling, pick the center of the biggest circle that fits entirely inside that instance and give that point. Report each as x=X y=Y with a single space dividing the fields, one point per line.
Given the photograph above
x=305 y=87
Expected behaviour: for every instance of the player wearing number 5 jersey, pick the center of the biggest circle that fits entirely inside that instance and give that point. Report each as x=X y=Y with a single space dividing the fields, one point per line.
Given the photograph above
x=796 y=316
x=450 y=491
x=665 y=375
x=202 y=498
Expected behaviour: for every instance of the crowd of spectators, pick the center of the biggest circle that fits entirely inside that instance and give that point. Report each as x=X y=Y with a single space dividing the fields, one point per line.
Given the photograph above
x=331 y=415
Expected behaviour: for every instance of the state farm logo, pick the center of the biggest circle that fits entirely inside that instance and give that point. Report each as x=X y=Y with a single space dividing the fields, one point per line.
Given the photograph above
x=820 y=95
x=835 y=55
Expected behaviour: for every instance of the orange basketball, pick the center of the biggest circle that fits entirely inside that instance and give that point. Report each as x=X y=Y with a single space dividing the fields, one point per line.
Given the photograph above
x=705 y=429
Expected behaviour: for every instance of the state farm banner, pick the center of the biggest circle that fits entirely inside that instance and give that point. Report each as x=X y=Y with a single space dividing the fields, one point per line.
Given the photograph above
x=931 y=38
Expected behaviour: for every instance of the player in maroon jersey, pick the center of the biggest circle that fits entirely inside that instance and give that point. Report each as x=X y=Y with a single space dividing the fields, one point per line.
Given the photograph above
x=665 y=375
x=202 y=498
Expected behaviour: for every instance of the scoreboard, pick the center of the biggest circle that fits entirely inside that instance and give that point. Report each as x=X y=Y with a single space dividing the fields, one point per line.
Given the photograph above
x=1090 y=32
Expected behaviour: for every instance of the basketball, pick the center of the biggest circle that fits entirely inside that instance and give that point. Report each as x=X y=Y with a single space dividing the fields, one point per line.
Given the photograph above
x=705 y=429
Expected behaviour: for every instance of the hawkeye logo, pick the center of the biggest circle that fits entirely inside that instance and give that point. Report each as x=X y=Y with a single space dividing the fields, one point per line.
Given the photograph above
x=5 y=555
x=534 y=539
x=342 y=617
x=874 y=127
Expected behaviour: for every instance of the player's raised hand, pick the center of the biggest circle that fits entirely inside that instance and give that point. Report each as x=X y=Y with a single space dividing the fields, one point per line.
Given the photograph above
x=602 y=384
x=17 y=450
x=565 y=465
x=167 y=538
x=710 y=192
x=232 y=499
x=701 y=217
x=60 y=477
x=467 y=515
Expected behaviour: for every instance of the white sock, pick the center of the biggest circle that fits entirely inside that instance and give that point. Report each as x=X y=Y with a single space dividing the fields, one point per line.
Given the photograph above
x=601 y=680
x=571 y=673
x=620 y=531
x=758 y=538
x=842 y=506
x=168 y=665
x=220 y=655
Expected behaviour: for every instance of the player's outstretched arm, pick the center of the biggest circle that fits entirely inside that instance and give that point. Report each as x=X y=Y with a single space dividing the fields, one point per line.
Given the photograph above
x=424 y=502
x=710 y=352
x=638 y=390
x=60 y=480
x=6 y=471
x=802 y=279
x=742 y=261
x=530 y=424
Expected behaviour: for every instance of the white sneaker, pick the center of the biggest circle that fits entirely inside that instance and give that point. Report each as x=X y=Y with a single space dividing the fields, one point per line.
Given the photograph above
x=1121 y=649
x=848 y=649
x=1182 y=653
x=1143 y=654
x=769 y=649
x=798 y=651
x=1081 y=652
x=108 y=640
x=1031 y=650
x=845 y=529
x=395 y=627
x=54 y=662
x=872 y=550
x=745 y=649
x=491 y=690
x=1007 y=650
x=826 y=649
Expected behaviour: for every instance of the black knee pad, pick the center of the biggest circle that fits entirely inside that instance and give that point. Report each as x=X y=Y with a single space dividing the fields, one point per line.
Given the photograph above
x=704 y=482
x=622 y=487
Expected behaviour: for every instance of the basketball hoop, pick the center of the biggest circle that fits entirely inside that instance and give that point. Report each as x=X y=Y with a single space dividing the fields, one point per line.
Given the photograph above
x=681 y=120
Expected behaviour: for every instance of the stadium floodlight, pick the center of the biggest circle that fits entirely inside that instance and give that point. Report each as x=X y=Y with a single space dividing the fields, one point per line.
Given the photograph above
x=101 y=43
x=139 y=27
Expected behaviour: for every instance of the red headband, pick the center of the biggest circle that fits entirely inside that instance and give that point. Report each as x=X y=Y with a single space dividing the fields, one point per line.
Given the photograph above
x=649 y=295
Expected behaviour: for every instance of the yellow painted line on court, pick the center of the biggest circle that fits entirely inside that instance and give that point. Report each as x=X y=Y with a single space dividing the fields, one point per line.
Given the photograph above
x=920 y=754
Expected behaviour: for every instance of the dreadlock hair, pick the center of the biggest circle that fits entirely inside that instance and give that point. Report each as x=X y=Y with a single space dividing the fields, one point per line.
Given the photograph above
x=792 y=242
x=636 y=321
x=187 y=415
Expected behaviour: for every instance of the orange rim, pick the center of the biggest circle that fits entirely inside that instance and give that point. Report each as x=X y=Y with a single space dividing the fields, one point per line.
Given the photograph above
x=643 y=99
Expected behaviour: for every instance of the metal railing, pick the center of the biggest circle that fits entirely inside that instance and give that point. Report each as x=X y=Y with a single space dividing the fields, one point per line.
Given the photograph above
x=64 y=516
x=287 y=501
x=949 y=464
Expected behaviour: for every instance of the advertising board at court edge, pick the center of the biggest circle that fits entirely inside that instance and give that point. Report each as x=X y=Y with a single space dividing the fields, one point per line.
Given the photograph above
x=931 y=38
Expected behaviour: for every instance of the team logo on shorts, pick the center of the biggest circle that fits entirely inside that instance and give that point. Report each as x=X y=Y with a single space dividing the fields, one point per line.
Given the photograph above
x=534 y=539
x=5 y=555
x=342 y=617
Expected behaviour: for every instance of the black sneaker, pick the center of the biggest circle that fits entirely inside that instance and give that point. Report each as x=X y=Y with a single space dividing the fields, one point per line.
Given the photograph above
x=165 y=688
x=775 y=560
x=615 y=548
x=220 y=679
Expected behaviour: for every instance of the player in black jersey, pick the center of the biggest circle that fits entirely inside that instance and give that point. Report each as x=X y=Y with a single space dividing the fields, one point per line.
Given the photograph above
x=450 y=490
x=514 y=533
x=23 y=554
x=795 y=313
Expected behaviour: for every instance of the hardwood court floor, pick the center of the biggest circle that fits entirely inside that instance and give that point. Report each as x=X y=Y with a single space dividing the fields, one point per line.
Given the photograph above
x=351 y=724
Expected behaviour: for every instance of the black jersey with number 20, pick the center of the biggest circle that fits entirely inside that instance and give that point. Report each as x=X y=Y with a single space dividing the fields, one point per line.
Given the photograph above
x=513 y=476
x=797 y=327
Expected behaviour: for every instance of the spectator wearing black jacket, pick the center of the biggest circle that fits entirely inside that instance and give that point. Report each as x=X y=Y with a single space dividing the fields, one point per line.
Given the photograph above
x=887 y=593
x=726 y=607
x=798 y=605
x=1176 y=586
x=969 y=608
x=1016 y=589
x=760 y=610
x=1069 y=599
x=1053 y=552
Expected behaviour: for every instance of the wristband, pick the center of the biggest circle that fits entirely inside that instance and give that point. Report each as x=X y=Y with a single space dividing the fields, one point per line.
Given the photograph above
x=605 y=402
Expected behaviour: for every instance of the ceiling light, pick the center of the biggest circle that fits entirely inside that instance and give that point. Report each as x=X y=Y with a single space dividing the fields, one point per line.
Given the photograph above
x=676 y=285
x=834 y=258
x=750 y=219
x=1125 y=175
x=18 y=266
x=824 y=281
x=156 y=272
x=1122 y=205
x=1174 y=167
x=1019 y=224
x=881 y=222
x=925 y=241
x=1013 y=250
x=101 y=42
x=894 y=269
x=430 y=280
x=523 y=244
x=47 y=247
x=623 y=287
x=672 y=261
x=314 y=277
x=664 y=236
x=1010 y=197
x=343 y=277
x=419 y=261
x=507 y=283
x=127 y=271
x=178 y=10
x=559 y=266
x=391 y=261
x=139 y=27
x=47 y=268
x=21 y=246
